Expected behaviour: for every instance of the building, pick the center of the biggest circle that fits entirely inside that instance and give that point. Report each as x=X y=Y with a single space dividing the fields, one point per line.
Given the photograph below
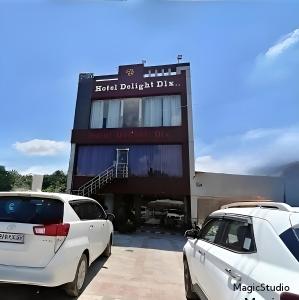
x=212 y=190
x=135 y=129
x=133 y=150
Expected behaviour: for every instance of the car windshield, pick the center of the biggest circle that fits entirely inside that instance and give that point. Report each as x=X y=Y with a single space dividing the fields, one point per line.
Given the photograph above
x=30 y=210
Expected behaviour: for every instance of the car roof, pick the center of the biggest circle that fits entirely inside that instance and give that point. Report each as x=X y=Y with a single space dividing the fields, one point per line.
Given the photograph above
x=60 y=196
x=279 y=219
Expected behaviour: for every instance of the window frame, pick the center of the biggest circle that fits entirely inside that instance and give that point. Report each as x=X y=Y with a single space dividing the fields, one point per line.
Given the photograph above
x=227 y=221
x=219 y=240
x=218 y=235
x=140 y=121
x=86 y=202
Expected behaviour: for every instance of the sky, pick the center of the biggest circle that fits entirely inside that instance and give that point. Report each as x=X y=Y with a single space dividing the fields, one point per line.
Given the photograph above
x=244 y=58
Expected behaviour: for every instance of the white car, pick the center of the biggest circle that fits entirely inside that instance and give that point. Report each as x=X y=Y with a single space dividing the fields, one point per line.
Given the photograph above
x=245 y=251
x=50 y=239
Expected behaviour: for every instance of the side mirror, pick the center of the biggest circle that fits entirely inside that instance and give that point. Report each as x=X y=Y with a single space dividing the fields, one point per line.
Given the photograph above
x=196 y=226
x=192 y=234
x=110 y=217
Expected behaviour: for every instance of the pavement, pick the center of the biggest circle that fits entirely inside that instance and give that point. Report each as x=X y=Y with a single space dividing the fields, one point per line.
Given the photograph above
x=142 y=266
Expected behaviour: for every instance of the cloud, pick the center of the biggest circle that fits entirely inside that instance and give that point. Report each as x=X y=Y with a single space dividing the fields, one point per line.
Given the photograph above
x=285 y=43
x=42 y=147
x=253 y=152
x=278 y=66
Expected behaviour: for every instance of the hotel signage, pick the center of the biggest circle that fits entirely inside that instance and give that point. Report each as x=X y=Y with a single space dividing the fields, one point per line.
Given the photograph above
x=131 y=82
x=129 y=135
x=135 y=85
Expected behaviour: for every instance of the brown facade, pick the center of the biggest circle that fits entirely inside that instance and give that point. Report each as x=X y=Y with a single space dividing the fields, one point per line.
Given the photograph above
x=129 y=83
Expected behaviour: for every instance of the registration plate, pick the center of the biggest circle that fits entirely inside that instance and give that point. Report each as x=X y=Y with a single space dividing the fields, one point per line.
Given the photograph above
x=12 y=237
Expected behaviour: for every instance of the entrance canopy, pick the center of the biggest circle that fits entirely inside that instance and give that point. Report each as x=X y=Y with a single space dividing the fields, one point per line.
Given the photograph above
x=166 y=203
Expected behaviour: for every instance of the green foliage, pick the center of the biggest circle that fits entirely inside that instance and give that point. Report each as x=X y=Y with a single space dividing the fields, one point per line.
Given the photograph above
x=55 y=182
x=5 y=180
x=20 y=182
x=12 y=180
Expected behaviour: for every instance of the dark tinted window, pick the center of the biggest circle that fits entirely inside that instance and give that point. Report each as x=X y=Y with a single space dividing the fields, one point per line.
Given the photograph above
x=88 y=210
x=100 y=213
x=31 y=210
x=211 y=230
x=144 y=160
x=290 y=237
x=238 y=236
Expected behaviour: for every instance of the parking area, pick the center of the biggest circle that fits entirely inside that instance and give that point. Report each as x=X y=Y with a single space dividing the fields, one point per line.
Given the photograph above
x=142 y=266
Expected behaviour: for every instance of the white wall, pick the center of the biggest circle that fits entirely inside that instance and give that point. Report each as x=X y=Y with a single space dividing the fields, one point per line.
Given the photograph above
x=223 y=186
x=227 y=185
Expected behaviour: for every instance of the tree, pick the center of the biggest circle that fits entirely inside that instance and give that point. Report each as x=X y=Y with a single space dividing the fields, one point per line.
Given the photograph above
x=20 y=182
x=55 y=182
x=5 y=180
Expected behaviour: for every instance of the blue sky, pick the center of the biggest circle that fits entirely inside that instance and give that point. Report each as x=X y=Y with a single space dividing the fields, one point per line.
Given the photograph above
x=244 y=59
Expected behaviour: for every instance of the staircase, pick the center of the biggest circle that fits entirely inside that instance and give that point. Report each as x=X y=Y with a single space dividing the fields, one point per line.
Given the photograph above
x=99 y=181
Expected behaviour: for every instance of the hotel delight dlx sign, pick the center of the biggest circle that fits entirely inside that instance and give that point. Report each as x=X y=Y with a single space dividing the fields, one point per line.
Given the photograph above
x=136 y=85
x=132 y=83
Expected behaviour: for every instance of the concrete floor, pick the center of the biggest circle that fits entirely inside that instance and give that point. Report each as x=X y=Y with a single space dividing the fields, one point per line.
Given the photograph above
x=142 y=266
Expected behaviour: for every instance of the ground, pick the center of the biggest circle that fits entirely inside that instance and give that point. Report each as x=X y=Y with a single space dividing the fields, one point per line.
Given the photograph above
x=142 y=266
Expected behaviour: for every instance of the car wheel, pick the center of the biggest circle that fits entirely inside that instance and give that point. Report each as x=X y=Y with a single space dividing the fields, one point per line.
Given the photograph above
x=75 y=288
x=107 y=251
x=190 y=295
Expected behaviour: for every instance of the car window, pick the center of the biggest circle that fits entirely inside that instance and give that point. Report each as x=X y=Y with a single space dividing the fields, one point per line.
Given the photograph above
x=88 y=210
x=238 y=236
x=210 y=230
x=31 y=210
x=290 y=237
x=99 y=211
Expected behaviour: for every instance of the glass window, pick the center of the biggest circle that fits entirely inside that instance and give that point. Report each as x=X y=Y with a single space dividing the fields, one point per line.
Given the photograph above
x=210 y=230
x=290 y=237
x=172 y=110
x=87 y=210
x=239 y=236
x=31 y=210
x=136 y=112
x=144 y=160
x=99 y=211
x=97 y=112
x=131 y=112
x=152 y=111
x=113 y=113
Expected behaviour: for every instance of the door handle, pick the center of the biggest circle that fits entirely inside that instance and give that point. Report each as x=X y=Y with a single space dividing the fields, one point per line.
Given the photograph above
x=233 y=275
x=201 y=252
x=91 y=227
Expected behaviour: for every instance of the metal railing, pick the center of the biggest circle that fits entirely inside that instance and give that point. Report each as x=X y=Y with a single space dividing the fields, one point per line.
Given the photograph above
x=105 y=177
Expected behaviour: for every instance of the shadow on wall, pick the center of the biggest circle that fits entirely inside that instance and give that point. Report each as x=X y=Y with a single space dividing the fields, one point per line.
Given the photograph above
x=26 y=292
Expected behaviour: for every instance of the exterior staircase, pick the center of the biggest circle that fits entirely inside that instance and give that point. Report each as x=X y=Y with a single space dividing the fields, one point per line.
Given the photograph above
x=98 y=182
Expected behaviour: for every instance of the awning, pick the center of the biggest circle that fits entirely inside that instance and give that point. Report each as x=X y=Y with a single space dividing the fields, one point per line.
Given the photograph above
x=166 y=203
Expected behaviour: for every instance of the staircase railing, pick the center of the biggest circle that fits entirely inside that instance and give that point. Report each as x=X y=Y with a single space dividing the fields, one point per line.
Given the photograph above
x=96 y=183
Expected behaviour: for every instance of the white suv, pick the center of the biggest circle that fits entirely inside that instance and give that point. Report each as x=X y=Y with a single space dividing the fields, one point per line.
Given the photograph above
x=50 y=239
x=244 y=251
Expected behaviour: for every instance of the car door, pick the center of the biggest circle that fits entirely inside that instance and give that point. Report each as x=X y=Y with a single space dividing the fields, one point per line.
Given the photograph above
x=100 y=228
x=231 y=260
x=209 y=234
x=88 y=227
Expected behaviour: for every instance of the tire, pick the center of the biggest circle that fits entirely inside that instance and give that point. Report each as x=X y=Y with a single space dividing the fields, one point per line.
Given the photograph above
x=75 y=288
x=190 y=295
x=107 y=251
